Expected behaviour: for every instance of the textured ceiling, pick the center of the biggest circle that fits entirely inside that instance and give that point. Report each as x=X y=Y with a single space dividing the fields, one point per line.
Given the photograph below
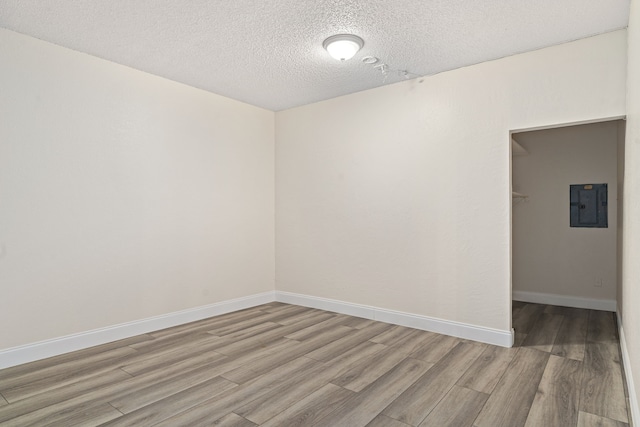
x=269 y=53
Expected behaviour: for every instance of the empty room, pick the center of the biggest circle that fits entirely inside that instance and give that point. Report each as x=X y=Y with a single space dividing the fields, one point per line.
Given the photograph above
x=329 y=213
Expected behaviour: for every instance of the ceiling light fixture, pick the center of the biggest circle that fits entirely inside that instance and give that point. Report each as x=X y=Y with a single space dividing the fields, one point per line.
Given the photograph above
x=343 y=46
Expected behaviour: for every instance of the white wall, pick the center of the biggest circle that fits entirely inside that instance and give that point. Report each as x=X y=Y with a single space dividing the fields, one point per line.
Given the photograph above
x=631 y=243
x=620 y=147
x=399 y=197
x=123 y=195
x=549 y=256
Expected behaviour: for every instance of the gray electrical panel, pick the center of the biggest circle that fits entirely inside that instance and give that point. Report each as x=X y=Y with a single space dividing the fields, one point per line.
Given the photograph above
x=588 y=205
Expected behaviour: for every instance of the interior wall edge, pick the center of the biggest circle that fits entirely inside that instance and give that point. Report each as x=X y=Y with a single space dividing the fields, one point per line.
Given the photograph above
x=565 y=300
x=457 y=329
x=52 y=347
x=570 y=123
x=628 y=376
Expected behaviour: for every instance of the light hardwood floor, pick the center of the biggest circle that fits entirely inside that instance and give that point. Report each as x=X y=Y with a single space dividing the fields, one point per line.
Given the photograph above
x=284 y=365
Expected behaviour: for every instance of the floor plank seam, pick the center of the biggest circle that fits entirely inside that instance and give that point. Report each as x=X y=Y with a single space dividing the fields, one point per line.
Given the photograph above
x=109 y=403
x=128 y=373
x=505 y=371
x=582 y=380
x=537 y=388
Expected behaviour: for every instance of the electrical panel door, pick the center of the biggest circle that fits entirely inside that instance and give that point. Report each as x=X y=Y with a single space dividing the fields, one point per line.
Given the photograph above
x=588 y=207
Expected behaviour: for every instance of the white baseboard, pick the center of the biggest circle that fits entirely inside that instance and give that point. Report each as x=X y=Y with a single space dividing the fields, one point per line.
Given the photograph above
x=56 y=346
x=456 y=329
x=53 y=347
x=633 y=398
x=565 y=301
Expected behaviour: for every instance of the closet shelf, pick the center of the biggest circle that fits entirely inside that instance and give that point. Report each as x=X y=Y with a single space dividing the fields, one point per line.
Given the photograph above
x=516 y=195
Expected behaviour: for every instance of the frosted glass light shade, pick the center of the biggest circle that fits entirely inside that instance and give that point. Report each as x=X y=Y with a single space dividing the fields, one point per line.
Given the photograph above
x=343 y=46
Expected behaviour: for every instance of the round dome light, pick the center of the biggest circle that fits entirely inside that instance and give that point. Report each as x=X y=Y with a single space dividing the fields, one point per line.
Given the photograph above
x=343 y=46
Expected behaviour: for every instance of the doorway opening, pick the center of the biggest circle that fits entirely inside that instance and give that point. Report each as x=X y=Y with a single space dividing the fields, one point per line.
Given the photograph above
x=554 y=260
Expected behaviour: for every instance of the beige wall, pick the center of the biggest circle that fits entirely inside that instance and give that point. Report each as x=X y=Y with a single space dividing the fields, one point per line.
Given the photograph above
x=123 y=195
x=399 y=197
x=631 y=244
x=549 y=256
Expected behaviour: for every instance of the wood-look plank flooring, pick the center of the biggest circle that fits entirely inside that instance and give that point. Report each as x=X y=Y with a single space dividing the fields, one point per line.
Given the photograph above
x=283 y=365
